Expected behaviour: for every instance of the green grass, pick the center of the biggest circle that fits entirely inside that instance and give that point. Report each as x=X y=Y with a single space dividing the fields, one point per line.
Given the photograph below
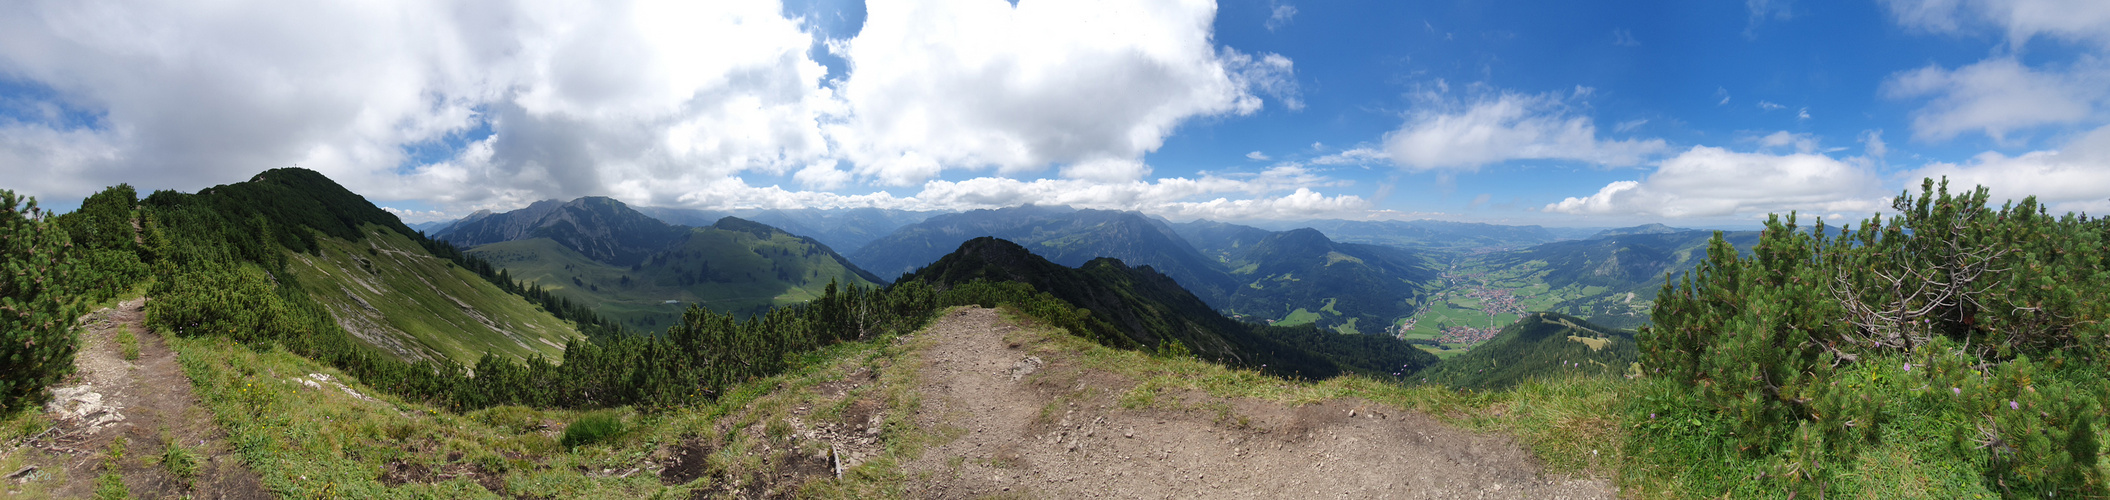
x=388 y=283
x=1298 y=317
x=181 y=462
x=305 y=442
x=127 y=344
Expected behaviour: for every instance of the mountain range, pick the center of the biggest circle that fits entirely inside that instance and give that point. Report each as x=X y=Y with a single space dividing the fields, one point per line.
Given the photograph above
x=1146 y=309
x=642 y=271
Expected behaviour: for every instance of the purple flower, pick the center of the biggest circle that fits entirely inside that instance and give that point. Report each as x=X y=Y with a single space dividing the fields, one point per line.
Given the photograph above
x=1908 y=367
x=2012 y=405
x=1651 y=416
x=1957 y=390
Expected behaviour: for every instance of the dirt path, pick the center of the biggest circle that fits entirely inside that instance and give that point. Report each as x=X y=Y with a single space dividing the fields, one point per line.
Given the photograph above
x=1040 y=426
x=148 y=403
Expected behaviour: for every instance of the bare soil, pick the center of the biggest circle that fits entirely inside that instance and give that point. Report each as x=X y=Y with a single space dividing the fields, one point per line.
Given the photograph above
x=148 y=402
x=1039 y=425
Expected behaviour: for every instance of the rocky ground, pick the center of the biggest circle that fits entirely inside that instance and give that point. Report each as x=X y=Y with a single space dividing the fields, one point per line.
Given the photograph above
x=1040 y=425
x=146 y=403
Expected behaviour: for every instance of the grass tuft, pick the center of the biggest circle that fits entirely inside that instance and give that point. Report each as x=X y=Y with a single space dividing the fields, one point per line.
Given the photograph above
x=593 y=428
x=127 y=344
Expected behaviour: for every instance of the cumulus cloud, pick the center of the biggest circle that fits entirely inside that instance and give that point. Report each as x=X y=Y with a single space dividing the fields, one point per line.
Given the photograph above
x=1171 y=197
x=941 y=85
x=1282 y=191
x=1715 y=182
x=2075 y=177
x=415 y=216
x=1508 y=127
x=542 y=99
x=496 y=104
x=1999 y=95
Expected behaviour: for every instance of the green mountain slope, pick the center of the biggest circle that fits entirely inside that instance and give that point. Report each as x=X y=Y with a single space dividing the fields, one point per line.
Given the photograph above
x=375 y=278
x=733 y=266
x=1146 y=309
x=387 y=290
x=1539 y=345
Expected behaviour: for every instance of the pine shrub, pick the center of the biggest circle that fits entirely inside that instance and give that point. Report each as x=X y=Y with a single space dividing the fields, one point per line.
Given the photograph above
x=1971 y=334
x=37 y=339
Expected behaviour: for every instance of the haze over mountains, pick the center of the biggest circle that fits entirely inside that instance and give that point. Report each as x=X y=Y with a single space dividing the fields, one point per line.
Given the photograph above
x=1449 y=284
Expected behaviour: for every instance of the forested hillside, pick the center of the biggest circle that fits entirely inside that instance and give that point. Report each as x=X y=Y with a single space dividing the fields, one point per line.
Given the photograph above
x=1539 y=346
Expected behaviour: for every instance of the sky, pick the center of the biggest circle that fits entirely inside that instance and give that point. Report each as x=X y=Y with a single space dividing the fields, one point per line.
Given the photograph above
x=1559 y=113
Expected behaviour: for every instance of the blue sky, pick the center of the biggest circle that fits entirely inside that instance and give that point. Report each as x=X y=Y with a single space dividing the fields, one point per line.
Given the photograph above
x=1565 y=113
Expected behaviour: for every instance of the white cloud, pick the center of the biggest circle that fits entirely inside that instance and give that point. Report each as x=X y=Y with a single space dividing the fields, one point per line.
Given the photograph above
x=416 y=216
x=2073 y=178
x=942 y=85
x=1714 y=182
x=1999 y=95
x=655 y=102
x=822 y=176
x=1770 y=106
x=2075 y=20
x=1357 y=156
x=1624 y=38
x=1803 y=114
x=1280 y=16
x=1257 y=156
x=580 y=97
x=1875 y=147
x=1724 y=93
x=1629 y=125
x=1763 y=9
x=1508 y=127
x=1802 y=143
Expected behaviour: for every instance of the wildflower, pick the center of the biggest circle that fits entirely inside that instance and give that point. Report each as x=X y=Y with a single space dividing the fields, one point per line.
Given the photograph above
x=2012 y=405
x=1651 y=416
x=1957 y=390
x=1908 y=367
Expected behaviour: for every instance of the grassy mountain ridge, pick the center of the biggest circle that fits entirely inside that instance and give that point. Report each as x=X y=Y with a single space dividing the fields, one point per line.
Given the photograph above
x=390 y=292
x=374 y=277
